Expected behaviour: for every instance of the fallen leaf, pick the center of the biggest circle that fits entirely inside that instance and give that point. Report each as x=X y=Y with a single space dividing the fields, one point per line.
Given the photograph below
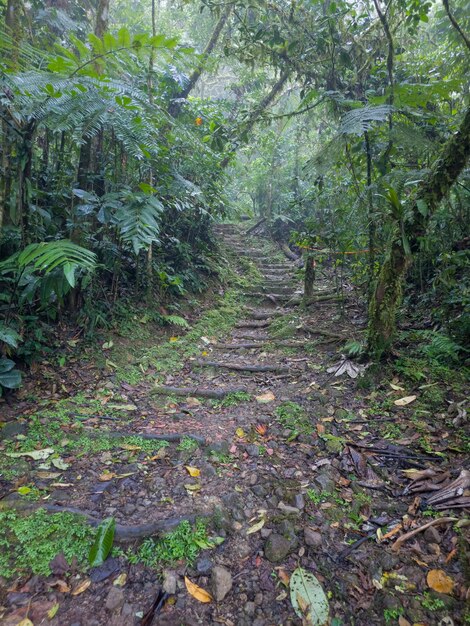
x=396 y=387
x=105 y=476
x=438 y=580
x=130 y=447
x=261 y=429
x=173 y=339
x=256 y=527
x=37 y=455
x=60 y=464
x=403 y=622
x=284 y=576
x=204 y=353
x=404 y=401
x=192 y=488
x=24 y=490
x=240 y=433
x=197 y=592
x=233 y=449
x=193 y=471
x=123 y=407
x=48 y=475
x=308 y=598
x=120 y=580
x=53 y=611
x=161 y=454
x=107 y=345
x=25 y=622
x=83 y=586
x=61 y=586
x=320 y=429
x=264 y=398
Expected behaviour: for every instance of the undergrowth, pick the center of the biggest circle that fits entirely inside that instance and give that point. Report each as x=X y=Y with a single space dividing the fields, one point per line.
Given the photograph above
x=182 y=544
x=29 y=543
x=292 y=416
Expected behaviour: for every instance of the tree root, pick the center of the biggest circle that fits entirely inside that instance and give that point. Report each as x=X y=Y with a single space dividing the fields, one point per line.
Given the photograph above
x=217 y=394
x=244 y=367
x=253 y=324
x=435 y=522
x=122 y=533
x=148 y=436
x=323 y=333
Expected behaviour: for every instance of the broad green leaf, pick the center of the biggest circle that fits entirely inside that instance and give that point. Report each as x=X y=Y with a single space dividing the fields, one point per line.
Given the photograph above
x=308 y=598
x=69 y=273
x=9 y=336
x=103 y=542
x=10 y=379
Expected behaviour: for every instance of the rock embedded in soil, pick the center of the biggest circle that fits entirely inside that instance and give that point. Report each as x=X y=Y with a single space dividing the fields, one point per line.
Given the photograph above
x=277 y=548
x=252 y=449
x=114 y=599
x=221 y=582
x=312 y=538
x=204 y=565
x=169 y=582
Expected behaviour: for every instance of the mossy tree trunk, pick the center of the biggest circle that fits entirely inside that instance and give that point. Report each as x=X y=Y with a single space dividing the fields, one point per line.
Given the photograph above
x=388 y=291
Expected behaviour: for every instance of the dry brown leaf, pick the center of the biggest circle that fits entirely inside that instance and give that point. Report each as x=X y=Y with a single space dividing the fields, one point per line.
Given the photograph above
x=256 y=527
x=403 y=622
x=197 y=592
x=404 y=401
x=284 y=576
x=438 y=580
x=83 y=586
x=193 y=471
x=105 y=476
x=61 y=586
x=264 y=398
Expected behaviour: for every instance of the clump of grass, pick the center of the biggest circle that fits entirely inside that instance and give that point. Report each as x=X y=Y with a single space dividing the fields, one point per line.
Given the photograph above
x=182 y=544
x=293 y=416
x=187 y=445
x=233 y=399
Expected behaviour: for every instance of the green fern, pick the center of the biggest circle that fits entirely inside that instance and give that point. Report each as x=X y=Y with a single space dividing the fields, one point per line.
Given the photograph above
x=358 y=121
x=175 y=320
x=46 y=256
x=138 y=221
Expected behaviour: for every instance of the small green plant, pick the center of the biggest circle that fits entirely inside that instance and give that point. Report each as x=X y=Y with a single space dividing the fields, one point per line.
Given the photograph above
x=233 y=399
x=430 y=603
x=392 y=615
x=187 y=445
x=28 y=544
x=292 y=416
x=182 y=544
x=217 y=456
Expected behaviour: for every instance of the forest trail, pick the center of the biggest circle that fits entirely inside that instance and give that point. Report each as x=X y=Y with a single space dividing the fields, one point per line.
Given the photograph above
x=288 y=462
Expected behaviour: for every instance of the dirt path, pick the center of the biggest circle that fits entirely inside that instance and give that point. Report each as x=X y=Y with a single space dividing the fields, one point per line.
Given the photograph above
x=294 y=468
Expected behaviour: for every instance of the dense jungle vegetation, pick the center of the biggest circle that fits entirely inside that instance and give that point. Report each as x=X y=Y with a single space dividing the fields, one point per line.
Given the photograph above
x=128 y=129
x=167 y=169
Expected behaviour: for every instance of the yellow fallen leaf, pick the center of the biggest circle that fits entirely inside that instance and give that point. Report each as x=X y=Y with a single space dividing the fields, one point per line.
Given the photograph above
x=128 y=446
x=197 y=592
x=204 y=353
x=240 y=432
x=264 y=398
x=173 y=339
x=396 y=387
x=53 y=611
x=404 y=401
x=106 y=476
x=256 y=527
x=192 y=488
x=193 y=471
x=25 y=622
x=438 y=580
x=83 y=586
x=120 y=580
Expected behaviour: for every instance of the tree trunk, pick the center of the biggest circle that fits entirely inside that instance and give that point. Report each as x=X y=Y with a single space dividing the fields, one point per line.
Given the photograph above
x=86 y=149
x=176 y=106
x=387 y=295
